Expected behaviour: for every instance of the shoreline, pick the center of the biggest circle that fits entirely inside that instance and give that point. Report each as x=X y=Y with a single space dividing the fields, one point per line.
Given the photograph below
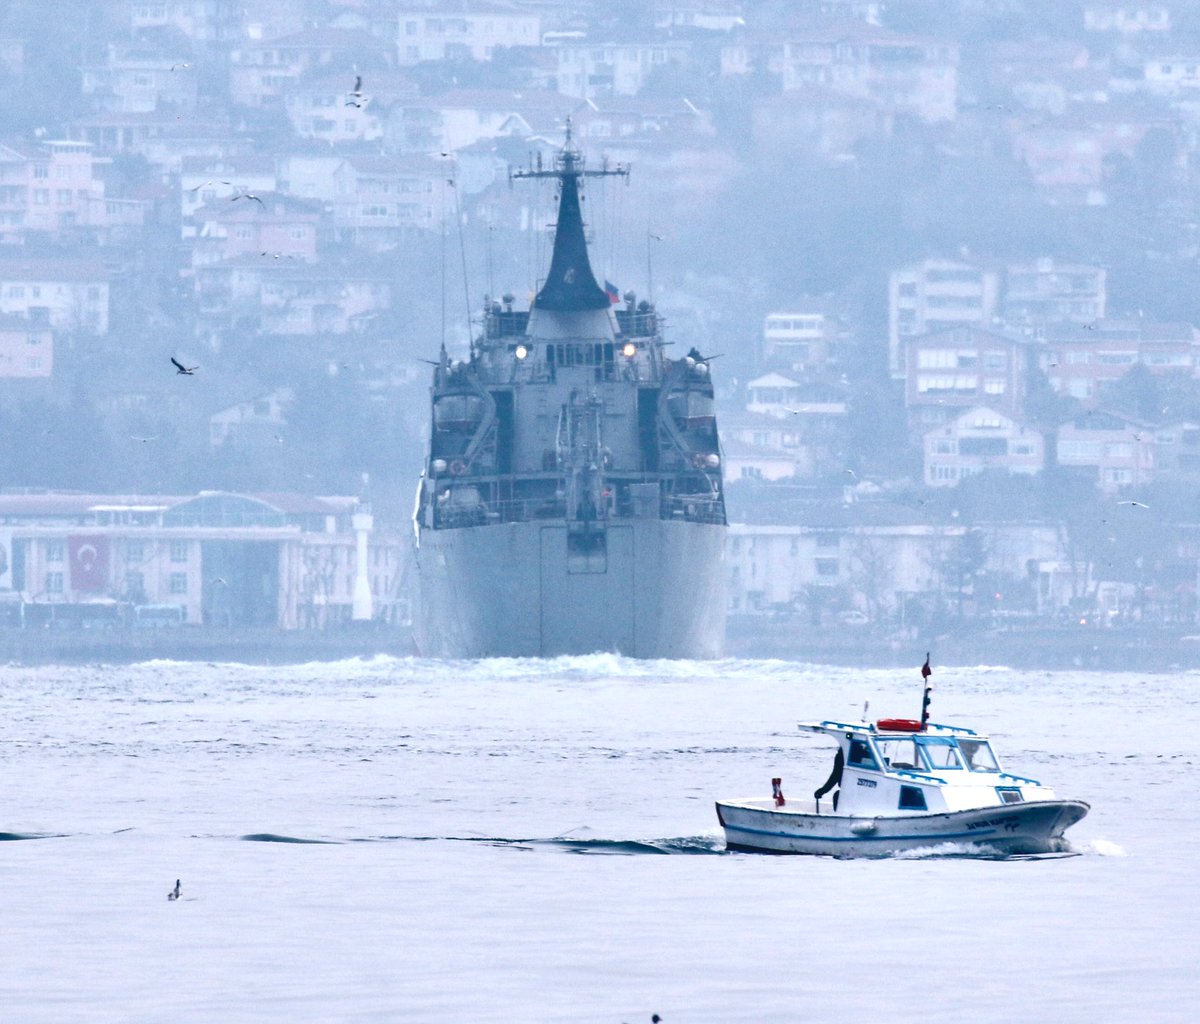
x=1143 y=649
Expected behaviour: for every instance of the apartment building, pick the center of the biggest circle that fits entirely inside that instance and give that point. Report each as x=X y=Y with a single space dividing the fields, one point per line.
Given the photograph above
x=26 y=348
x=472 y=31
x=1081 y=361
x=949 y=372
x=937 y=295
x=65 y=294
x=980 y=439
x=590 y=69
x=901 y=73
x=1118 y=449
x=53 y=186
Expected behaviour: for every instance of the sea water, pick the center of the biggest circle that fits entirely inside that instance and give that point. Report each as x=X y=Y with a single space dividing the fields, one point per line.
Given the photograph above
x=524 y=840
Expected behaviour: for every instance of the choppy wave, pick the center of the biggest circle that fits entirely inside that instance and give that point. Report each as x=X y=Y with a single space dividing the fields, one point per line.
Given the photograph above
x=271 y=837
x=702 y=844
x=8 y=837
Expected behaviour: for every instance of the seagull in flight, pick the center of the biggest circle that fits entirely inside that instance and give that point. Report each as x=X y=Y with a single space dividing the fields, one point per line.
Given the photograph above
x=355 y=93
x=205 y=184
x=180 y=368
x=144 y=440
x=246 y=195
x=1135 y=504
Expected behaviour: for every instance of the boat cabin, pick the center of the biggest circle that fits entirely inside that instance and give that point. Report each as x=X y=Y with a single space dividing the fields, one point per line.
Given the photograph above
x=897 y=766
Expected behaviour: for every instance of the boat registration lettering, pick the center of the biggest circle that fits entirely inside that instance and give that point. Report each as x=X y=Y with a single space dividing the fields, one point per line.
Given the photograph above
x=869 y=783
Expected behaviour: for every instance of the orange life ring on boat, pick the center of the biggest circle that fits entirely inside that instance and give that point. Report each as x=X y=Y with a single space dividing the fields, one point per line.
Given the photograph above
x=458 y=467
x=898 y=725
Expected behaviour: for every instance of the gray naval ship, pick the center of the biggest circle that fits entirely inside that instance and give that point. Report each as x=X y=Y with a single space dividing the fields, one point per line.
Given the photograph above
x=571 y=500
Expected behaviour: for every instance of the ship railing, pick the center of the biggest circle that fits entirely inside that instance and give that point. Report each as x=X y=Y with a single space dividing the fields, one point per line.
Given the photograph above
x=687 y=508
x=694 y=508
x=517 y=510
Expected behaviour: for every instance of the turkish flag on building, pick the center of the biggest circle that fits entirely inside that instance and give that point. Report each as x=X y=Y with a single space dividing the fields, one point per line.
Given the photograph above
x=89 y=563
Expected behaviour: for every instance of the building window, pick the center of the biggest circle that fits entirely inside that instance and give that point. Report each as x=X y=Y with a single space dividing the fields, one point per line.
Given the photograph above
x=54 y=551
x=179 y=583
x=135 y=584
x=827 y=566
x=179 y=551
x=134 y=551
x=54 y=583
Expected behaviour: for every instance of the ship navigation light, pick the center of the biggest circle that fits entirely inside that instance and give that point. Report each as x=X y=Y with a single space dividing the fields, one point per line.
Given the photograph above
x=630 y=350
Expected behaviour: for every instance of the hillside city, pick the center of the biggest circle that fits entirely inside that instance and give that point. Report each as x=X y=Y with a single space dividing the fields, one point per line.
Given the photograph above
x=944 y=254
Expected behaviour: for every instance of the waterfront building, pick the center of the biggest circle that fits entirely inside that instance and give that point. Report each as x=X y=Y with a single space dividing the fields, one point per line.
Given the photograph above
x=210 y=559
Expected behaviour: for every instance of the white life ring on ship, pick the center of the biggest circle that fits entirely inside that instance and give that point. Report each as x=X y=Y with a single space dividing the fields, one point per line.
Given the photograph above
x=458 y=467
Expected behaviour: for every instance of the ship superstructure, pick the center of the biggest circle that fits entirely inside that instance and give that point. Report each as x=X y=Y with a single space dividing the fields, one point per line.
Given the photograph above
x=572 y=498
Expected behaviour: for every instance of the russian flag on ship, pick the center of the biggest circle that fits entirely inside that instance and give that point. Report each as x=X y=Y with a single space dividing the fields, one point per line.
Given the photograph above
x=612 y=291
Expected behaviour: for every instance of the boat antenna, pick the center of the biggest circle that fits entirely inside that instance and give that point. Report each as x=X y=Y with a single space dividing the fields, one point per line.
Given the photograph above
x=462 y=242
x=926 y=672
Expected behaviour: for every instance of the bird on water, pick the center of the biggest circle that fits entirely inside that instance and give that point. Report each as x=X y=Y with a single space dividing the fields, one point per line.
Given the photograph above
x=174 y=893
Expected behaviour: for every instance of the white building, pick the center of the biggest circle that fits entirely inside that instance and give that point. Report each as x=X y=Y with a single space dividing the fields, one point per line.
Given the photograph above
x=980 y=439
x=472 y=30
x=935 y=295
x=588 y=69
x=67 y=294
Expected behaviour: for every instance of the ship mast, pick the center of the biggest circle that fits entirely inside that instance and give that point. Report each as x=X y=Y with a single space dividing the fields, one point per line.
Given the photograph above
x=570 y=285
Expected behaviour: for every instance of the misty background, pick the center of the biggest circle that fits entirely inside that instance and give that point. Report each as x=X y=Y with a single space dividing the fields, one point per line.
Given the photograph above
x=306 y=200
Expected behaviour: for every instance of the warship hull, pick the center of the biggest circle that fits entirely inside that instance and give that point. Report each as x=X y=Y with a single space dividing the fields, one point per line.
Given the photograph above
x=513 y=590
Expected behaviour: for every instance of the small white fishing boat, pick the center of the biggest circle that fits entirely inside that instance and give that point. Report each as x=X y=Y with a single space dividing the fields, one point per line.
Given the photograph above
x=903 y=784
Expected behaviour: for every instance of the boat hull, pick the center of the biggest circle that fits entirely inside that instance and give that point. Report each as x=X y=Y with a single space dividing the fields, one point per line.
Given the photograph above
x=1026 y=828
x=513 y=590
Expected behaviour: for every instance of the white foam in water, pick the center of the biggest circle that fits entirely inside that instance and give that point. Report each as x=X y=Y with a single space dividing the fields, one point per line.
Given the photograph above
x=1102 y=848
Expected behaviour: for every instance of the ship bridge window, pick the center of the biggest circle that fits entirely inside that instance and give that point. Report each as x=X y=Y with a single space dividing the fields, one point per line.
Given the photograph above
x=457 y=413
x=581 y=354
x=940 y=753
x=979 y=755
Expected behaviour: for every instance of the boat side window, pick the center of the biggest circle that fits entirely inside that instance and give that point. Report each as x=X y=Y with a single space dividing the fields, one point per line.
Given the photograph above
x=912 y=798
x=940 y=754
x=860 y=755
x=978 y=755
x=899 y=754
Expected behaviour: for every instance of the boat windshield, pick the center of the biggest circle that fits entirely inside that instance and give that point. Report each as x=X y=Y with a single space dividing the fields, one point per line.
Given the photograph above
x=899 y=753
x=940 y=752
x=978 y=755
